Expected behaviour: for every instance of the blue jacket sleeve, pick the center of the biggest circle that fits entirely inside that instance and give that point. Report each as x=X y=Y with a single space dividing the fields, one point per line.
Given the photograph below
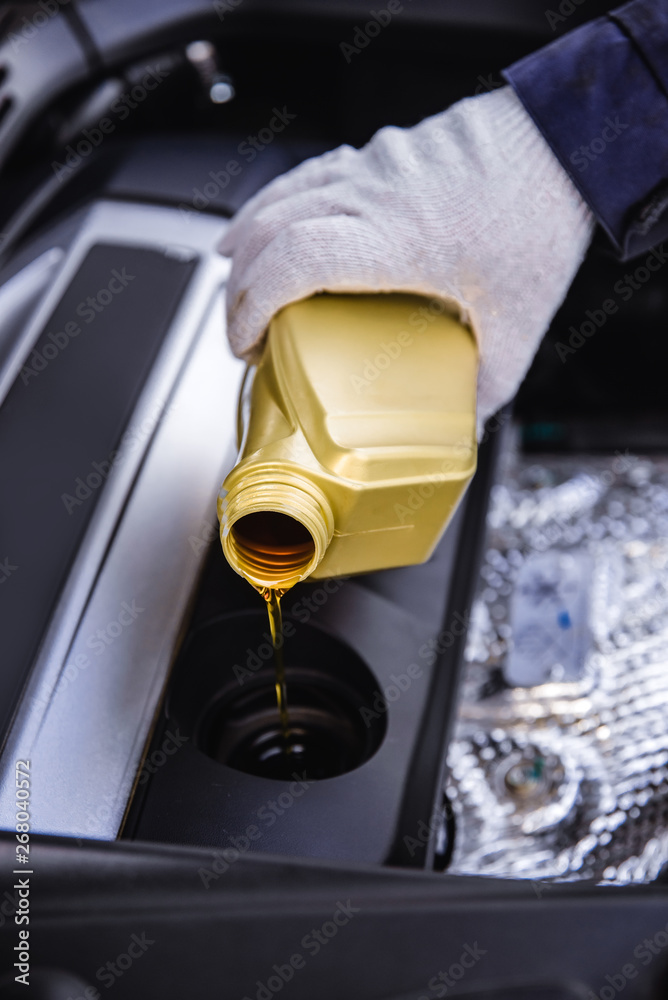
x=599 y=95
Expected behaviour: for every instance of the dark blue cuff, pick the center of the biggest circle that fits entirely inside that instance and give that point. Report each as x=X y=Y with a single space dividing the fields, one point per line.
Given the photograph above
x=599 y=95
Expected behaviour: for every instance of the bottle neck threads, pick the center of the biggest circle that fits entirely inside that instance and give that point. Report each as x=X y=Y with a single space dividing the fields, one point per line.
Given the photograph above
x=275 y=533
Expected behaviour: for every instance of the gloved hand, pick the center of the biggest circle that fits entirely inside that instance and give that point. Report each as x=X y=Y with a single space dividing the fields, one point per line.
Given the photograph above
x=470 y=206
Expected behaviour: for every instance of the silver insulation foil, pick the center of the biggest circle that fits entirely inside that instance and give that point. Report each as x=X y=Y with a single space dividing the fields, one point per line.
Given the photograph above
x=559 y=764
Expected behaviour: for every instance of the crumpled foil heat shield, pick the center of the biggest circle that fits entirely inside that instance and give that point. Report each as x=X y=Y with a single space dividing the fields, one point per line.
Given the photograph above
x=559 y=764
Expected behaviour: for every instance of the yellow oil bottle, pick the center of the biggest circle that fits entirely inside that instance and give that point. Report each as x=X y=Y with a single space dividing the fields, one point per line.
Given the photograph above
x=358 y=439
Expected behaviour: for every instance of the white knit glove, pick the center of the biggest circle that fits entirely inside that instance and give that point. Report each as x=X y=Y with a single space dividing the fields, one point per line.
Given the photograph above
x=470 y=206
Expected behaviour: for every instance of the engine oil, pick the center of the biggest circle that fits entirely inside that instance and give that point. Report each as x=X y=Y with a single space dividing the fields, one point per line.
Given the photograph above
x=358 y=439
